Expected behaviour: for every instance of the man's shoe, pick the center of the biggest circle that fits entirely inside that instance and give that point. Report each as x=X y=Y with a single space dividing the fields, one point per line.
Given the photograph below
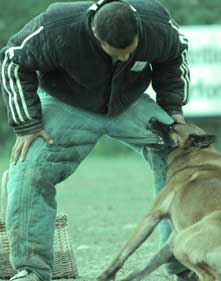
x=25 y=275
x=186 y=276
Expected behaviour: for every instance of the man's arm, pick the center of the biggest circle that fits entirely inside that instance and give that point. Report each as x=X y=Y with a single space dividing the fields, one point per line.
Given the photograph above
x=171 y=75
x=25 y=54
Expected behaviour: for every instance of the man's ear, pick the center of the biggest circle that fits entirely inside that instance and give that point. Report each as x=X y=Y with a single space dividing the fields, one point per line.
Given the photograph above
x=200 y=141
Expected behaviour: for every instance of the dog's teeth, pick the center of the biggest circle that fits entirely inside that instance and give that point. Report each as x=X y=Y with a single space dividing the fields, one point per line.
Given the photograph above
x=161 y=141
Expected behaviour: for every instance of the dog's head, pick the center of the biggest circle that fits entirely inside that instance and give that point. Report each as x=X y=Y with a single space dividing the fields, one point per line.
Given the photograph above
x=182 y=135
x=189 y=135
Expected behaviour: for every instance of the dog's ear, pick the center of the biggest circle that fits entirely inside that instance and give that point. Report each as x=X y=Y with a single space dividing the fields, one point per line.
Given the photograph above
x=200 y=141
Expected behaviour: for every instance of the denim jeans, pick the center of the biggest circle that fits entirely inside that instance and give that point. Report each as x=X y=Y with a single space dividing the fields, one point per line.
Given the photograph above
x=31 y=211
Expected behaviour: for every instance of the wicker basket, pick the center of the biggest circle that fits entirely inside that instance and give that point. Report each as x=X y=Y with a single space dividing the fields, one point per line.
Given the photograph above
x=64 y=266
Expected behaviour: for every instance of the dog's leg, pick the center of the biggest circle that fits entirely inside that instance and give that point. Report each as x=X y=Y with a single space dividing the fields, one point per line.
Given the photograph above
x=188 y=250
x=159 y=258
x=140 y=234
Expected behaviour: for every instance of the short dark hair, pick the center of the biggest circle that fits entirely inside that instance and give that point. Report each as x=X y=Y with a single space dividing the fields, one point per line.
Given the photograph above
x=116 y=24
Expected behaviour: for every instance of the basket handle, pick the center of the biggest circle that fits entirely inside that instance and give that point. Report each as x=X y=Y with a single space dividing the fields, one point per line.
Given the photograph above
x=3 y=199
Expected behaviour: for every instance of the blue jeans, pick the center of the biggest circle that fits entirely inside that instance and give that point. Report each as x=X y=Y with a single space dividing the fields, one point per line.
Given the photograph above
x=32 y=206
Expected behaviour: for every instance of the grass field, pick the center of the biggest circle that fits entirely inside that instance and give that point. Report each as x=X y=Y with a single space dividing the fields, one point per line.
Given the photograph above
x=104 y=200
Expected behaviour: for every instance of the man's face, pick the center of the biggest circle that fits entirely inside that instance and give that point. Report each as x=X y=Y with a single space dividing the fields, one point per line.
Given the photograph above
x=118 y=54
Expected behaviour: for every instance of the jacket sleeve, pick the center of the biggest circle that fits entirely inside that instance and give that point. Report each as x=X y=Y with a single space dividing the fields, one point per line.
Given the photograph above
x=25 y=54
x=171 y=75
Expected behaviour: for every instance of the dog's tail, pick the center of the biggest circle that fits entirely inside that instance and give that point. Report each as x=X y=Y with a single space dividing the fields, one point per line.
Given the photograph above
x=161 y=257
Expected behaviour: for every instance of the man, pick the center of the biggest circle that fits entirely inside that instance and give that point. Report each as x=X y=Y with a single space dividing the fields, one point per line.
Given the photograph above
x=74 y=73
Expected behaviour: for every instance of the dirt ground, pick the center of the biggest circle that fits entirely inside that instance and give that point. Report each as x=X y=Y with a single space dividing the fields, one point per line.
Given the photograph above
x=104 y=200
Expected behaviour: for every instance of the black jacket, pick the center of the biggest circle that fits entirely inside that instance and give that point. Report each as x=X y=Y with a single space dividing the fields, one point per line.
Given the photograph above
x=58 y=51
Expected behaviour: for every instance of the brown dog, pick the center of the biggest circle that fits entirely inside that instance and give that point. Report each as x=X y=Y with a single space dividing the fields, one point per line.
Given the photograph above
x=191 y=199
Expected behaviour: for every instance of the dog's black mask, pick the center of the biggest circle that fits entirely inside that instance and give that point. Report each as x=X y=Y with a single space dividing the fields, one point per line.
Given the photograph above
x=163 y=130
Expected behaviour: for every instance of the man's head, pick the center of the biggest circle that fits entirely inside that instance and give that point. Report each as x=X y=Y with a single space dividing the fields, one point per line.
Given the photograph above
x=115 y=26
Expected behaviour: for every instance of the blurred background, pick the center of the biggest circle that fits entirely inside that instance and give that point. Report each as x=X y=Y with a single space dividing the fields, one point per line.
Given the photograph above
x=113 y=187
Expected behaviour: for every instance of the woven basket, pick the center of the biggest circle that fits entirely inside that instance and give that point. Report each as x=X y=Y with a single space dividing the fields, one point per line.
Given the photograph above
x=64 y=266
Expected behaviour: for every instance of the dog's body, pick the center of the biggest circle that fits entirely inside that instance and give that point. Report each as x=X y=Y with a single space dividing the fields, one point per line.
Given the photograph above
x=191 y=200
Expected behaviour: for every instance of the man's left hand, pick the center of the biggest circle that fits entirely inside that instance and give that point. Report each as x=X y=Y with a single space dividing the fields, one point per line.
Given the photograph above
x=179 y=118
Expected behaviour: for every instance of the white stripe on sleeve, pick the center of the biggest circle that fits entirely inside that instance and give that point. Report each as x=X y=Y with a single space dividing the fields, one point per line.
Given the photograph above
x=21 y=94
x=15 y=98
x=184 y=66
x=8 y=92
x=13 y=83
x=185 y=77
x=11 y=50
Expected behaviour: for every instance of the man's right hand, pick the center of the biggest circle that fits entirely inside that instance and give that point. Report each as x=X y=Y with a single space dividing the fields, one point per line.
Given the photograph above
x=23 y=142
